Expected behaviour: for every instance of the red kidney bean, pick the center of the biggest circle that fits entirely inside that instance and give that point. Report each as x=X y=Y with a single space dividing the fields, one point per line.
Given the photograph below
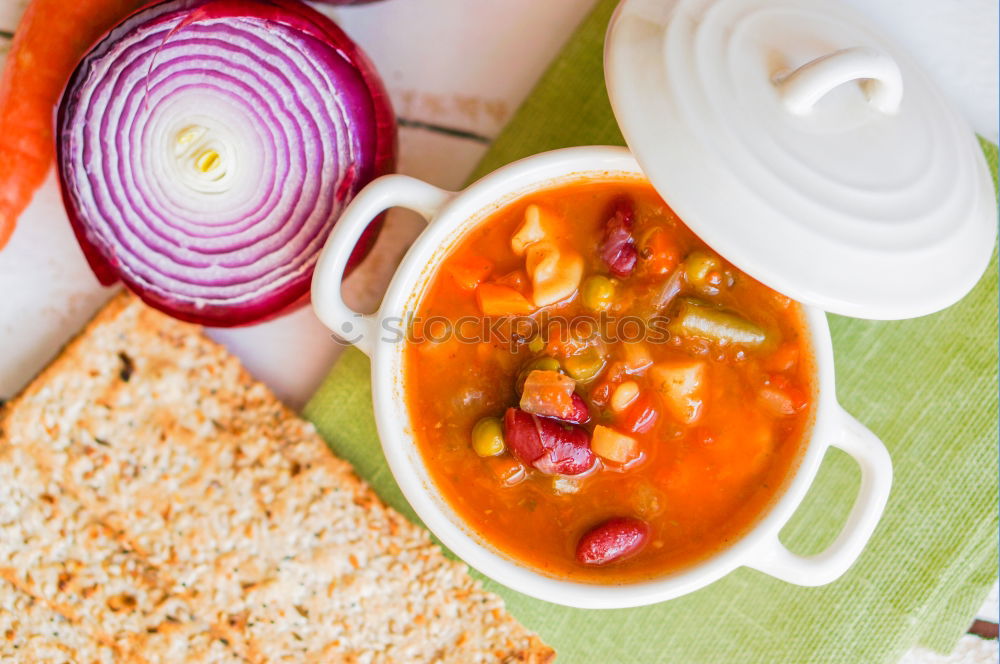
x=580 y=414
x=521 y=435
x=613 y=540
x=641 y=415
x=567 y=449
x=617 y=249
x=548 y=445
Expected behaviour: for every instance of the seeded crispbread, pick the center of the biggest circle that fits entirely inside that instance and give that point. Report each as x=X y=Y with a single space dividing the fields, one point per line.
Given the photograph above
x=222 y=515
x=30 y=631
x=52 y=549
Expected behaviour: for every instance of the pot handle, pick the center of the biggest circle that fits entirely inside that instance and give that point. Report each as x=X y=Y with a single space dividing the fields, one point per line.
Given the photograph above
x=378 y=196
x=878 y=74
x=876 y=479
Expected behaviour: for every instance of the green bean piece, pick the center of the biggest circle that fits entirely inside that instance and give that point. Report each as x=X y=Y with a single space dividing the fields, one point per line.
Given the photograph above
x=695 y=319
x=544 y=363
x=597 y=293
x=487 y=437
x=585 y=365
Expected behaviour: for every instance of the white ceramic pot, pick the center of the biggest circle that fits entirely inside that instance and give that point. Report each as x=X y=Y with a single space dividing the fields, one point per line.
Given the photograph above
x=450 y=216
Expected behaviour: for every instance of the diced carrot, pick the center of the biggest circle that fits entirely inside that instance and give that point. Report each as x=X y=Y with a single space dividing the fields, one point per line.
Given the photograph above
x=50 y=39
x=613 y=446
x=496 y=300
x=548 y=393
x=518 y=280
x=469 y=271
x=658 y=251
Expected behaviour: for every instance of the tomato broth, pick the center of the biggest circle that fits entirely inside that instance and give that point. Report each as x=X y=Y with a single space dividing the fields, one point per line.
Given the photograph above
x=638 y=407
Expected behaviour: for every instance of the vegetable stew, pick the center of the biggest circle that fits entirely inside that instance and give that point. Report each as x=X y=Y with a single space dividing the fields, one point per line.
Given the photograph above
x=600 y=395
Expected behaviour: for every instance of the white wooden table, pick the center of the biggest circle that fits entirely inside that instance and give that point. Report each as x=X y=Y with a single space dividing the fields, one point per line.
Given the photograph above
x=456 y=71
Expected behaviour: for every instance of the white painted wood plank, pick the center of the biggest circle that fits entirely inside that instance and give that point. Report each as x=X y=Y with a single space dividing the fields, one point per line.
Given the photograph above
x=461 y=63
x=10 y=14
x=47 y=291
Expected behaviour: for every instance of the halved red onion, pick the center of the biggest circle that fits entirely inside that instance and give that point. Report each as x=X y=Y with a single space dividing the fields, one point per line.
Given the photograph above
x=206 y=148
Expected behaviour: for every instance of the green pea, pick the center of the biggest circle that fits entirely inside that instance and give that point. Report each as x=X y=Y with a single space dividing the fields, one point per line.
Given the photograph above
x=597 y=293
x=585 y=365
x=487 y=437
x=697 y=266
x=537 y=344
x=544 y=363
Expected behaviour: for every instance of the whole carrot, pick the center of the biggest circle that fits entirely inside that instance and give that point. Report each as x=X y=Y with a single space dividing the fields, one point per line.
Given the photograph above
x=51 y=38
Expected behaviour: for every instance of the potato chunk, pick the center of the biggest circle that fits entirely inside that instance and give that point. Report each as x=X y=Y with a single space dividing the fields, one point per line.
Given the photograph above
x=682 y=385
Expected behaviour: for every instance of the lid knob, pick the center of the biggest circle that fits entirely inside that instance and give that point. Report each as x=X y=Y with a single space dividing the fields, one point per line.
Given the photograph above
x=881 y=80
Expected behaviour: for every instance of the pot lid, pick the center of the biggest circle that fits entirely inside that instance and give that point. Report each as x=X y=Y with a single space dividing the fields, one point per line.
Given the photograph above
x=806 y=148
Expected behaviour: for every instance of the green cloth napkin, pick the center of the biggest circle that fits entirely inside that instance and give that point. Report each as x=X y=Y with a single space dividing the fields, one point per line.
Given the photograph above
x=927 y=387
